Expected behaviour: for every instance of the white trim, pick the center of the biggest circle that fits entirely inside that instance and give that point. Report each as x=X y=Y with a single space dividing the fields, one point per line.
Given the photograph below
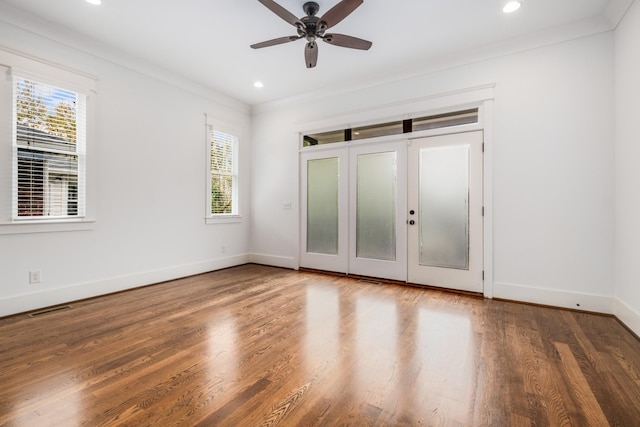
x=274 y=260
x=48 y=72
x=58 y=78
x=486 y=120
x=223 y=126
x=418 y=107
x=615 y=11
x=223 y=219
x=47 y=226
x=297 y=196
x=23 y=55
x=554 y=297
x=627 y=315
x=35 y=300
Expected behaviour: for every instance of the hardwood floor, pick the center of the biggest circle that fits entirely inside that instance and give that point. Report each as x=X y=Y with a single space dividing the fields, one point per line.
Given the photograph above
x=262 y=346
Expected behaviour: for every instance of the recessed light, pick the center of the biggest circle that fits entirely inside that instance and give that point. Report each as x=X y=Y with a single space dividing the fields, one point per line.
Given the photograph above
x=512 y=6
x=258 y=84
x=96 y=2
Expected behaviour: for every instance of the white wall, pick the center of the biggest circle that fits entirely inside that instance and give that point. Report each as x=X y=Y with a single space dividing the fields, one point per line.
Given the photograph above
x=553 y=167
x=627 y=248
x=150 y=188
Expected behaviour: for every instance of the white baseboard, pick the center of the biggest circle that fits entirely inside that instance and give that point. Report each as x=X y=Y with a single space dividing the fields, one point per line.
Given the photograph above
x=275 y=261
x=627 y=315
x=554 y=297
x=46 y=298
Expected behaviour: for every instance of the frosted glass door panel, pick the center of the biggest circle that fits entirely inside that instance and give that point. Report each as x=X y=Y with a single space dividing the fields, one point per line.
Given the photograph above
x=376 y=206
x=378 y=210
x=444 y=207
x=322 y=206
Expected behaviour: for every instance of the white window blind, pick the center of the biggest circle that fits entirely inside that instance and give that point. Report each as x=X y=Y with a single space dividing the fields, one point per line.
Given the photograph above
x=49 y=146
x=224 y=173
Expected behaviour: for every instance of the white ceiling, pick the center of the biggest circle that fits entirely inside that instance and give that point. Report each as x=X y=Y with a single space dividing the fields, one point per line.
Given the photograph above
x=207 y=41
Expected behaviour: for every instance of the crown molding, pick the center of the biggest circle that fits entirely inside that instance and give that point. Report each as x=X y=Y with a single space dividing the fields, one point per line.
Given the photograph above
x=36 y=26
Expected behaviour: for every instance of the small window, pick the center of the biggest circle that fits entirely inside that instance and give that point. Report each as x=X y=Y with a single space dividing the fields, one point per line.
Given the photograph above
x=324 y=138
x=48 y=151
x=445 y=120
x=224 y=173
x=382 y=129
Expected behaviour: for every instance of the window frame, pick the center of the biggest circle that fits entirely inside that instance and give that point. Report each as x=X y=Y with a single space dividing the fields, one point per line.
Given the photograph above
x=42 y=71
x=235 y=133
x=79 y=152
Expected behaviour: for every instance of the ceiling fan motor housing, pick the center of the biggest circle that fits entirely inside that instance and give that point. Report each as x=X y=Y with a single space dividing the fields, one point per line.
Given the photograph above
x=311 y=8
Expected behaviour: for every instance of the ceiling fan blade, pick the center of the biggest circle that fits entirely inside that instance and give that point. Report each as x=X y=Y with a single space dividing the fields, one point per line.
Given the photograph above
x=311 y=54
x=347 y=41
x=340 y=11
x=273 y=42
x=281 y=12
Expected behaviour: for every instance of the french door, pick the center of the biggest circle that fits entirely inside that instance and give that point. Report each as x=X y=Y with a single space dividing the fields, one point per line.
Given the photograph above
x=445 y=211
x=324 y=215
x=396 y=212
x=353 y=203
x=377 y=210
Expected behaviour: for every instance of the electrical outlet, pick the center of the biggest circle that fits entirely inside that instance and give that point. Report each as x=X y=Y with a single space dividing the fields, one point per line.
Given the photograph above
x=34 y=276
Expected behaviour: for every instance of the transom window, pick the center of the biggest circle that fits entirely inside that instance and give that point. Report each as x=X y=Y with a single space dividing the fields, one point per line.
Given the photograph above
x=397 y=127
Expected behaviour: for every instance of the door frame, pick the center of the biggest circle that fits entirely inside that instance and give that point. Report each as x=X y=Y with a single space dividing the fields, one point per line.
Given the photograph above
x=481 y=97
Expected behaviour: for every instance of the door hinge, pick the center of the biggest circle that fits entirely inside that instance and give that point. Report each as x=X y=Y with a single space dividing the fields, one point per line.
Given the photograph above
x=482 y=274
x=483 y=211
x=483 y=147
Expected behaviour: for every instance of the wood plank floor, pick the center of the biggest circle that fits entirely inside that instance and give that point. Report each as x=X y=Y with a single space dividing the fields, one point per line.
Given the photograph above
x=262 y=346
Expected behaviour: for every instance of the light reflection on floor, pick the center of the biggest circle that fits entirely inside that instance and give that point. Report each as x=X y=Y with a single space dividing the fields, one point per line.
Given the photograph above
x=383 y=354
x=375 y=343
x=53 y=414
x=322 y=326
x=222 y=351
x=450 y=372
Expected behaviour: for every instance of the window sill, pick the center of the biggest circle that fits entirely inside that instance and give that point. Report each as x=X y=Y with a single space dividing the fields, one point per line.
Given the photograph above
x=45 y=226
x=223 y=219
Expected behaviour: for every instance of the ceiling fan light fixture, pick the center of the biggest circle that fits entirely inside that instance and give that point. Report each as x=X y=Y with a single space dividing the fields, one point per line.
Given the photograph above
x=511 y=6
x=258 y=84
x=95 y=2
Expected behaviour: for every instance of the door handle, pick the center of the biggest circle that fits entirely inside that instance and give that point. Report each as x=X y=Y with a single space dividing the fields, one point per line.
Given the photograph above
x=411 y=222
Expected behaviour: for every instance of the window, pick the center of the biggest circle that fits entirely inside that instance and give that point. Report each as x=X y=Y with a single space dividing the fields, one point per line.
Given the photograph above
x=381 y=129
x=49 y=138
x=456 y=118
x=446 y=120
x=324 y=138
x=223 y=166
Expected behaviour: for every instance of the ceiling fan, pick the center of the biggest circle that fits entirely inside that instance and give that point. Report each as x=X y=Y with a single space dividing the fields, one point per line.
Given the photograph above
x=311 y=28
